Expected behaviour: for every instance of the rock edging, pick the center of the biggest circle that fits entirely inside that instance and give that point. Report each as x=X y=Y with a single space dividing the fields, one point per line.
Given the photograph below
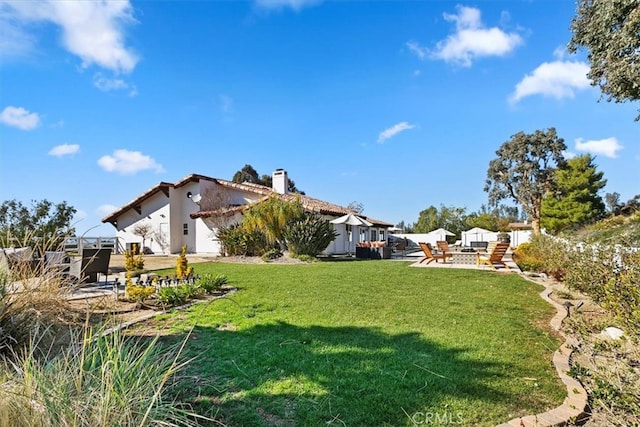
x=575 y=404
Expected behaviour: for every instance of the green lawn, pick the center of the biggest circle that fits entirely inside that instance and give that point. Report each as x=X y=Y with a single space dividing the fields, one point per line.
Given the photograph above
x=368 y=344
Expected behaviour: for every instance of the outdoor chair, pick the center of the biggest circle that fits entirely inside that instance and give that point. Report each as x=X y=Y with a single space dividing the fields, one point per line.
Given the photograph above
x=429 y=256
x=493 y=257
x=92 y=262
x=443 y=247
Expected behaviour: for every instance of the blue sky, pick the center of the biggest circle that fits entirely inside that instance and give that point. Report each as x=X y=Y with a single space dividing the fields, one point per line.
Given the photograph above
x=397 y=105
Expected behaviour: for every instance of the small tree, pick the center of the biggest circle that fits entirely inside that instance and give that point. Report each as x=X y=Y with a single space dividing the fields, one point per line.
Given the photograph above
x=144 y=230
x=612 y=200
x=525 y=171
x=355 y=207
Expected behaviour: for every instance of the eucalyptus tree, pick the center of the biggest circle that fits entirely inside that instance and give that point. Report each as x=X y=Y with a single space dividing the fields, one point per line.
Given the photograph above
x=610 y=31
x=524 y=170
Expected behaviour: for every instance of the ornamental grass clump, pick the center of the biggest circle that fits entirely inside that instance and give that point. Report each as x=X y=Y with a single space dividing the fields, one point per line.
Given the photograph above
x=32 y=300
x=103 y=381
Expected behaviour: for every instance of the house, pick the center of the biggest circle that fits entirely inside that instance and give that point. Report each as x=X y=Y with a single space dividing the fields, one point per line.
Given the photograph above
x=190 y=211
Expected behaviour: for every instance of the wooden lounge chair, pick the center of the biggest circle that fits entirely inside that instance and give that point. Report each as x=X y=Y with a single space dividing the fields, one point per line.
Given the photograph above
x=493 y=258
x=428 y=255
x=443 y=247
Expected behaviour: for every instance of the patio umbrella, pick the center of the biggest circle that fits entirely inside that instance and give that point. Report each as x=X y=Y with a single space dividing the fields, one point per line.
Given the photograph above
x=442 y=234
x=351 y=219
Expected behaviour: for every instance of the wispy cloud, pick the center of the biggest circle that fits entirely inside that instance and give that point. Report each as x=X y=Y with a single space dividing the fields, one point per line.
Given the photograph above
x=393 y=131
x=558 y=79
x=64 y=150
x=92 y=30
x=473 y=40
x=607 y=147
x=415 y=48
x=107 y=84
x=127 y=162
x=293 y=4
x=104 y=210
x=20 y=118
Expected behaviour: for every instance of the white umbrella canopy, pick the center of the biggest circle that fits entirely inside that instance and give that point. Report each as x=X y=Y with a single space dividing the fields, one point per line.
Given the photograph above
x=442 y=233
x=351 y=219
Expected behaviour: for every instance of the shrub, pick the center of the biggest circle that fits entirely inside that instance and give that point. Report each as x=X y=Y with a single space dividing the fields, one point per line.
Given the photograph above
x=210 y=283
x=236 y=240
x=138 y=293
x=171 y=296
x=309 y=235
x=271 y=255
x=133 y=262
x=182 y=264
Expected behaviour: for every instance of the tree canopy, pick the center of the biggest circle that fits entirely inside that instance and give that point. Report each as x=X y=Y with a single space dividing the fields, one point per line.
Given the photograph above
x=249 y=174
x=575 y=201
x=43 y=220
x=525 y=171
x=610 y=31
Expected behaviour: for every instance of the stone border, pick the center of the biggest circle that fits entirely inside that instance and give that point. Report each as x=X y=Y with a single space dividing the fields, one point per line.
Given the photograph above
x=575 y=404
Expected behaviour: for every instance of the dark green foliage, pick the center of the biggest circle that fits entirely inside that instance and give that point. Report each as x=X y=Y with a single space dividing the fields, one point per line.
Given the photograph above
x=171 y=296
x=610 y=31
x=525 y=171
x=211 y=283
x=236 y=240
x=309 y=235
x=43 y=220
x=271 y=255
x=575 y=201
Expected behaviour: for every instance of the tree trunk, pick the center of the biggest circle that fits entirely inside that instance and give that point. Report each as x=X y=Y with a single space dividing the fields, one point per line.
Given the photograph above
x=535 y=224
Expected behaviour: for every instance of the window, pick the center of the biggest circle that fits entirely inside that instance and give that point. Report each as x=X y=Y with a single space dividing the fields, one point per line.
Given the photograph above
x=382 y=238
x=185 y=229
x=374 y=235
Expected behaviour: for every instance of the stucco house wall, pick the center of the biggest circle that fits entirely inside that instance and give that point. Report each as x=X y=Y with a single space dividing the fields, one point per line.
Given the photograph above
x=188 y=213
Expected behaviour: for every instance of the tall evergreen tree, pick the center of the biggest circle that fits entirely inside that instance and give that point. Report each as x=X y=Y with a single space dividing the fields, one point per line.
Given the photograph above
x=575 y=201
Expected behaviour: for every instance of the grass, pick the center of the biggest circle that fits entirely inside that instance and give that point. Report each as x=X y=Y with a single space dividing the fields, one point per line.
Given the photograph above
x=368 y=343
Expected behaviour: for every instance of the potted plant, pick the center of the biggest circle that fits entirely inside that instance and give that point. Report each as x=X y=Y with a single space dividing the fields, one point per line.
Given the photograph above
x=504 y=237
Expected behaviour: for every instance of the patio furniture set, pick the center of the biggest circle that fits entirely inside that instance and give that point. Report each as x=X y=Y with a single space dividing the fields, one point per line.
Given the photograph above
x=83 y=267
x=492 y=256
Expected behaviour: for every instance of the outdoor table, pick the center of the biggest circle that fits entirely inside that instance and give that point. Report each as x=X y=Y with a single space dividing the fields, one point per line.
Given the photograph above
x=459 y=257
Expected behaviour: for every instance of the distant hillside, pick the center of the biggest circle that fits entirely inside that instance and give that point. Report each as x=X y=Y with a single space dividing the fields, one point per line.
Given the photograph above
x=617 y=229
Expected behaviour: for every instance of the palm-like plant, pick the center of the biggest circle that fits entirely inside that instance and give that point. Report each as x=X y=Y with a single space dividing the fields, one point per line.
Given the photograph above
x=271 y=217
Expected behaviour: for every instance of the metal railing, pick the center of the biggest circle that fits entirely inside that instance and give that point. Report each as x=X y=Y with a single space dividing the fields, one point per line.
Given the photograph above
x=77 y=244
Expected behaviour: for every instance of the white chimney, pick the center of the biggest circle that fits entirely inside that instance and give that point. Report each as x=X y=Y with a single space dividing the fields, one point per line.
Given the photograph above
x=280 y=181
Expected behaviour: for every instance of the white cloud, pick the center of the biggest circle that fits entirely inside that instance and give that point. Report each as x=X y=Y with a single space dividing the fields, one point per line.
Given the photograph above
x=106 y=84
x=128 y=162
x=393 y=131
x=104 y=210
x=420 y=51
x=20 y=118
x=558 y=79
x=569 y=154
x=473 y=40
x=64 y=150
x=607 y=147
x=293 y=4
x=92 y=30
